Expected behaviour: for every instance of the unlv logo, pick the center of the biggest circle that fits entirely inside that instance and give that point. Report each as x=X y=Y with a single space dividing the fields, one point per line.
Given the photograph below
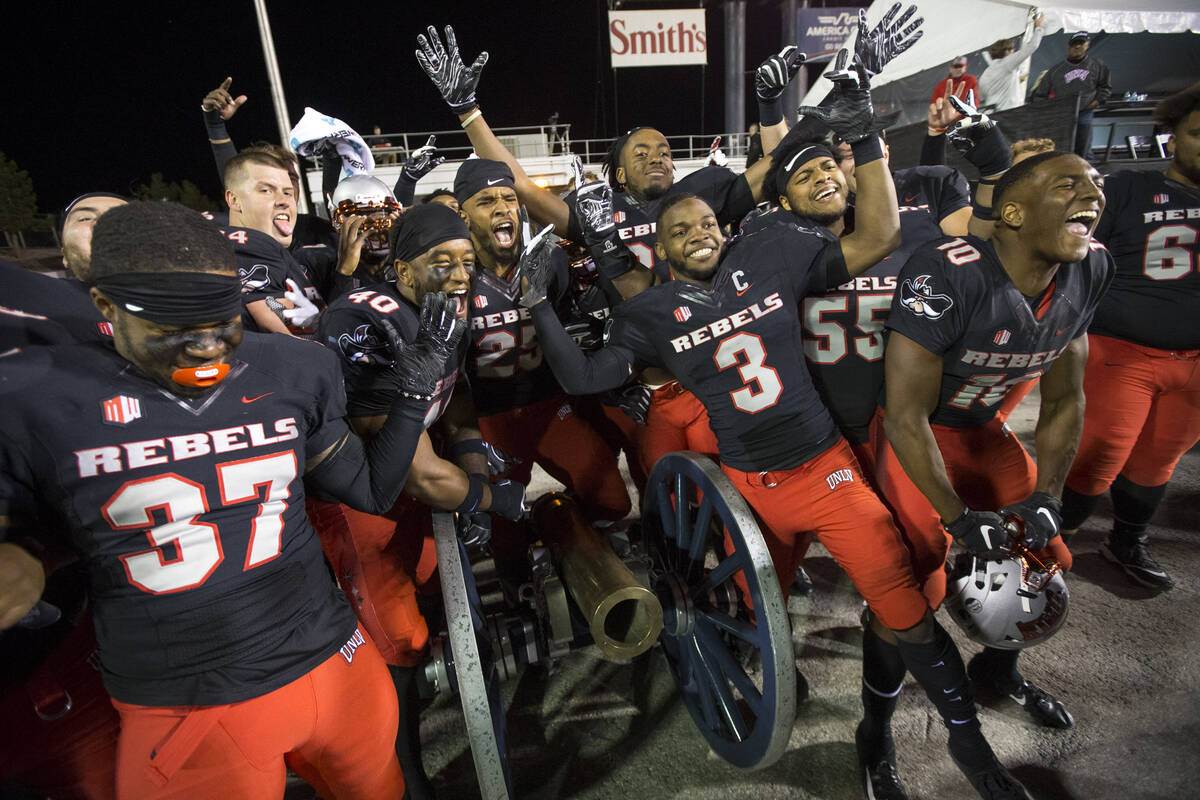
x=254 y=278
x=121 y=410
x=918 y=296
x=683 y=314
x=364 y=346
x=1001 y=338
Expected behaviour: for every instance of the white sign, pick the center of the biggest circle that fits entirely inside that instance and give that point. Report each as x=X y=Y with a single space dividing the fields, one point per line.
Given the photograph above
x=657 y=38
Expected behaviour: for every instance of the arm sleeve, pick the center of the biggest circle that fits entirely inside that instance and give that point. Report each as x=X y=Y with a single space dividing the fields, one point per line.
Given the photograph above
x=728 y=193
x=405 y=189
x=814 y=264
x=578 y=372
x=953 y=194
x=222 y=146
x=933 y=151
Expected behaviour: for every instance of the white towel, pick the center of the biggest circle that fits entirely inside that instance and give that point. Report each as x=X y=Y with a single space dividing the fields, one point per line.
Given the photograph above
x=314 y=128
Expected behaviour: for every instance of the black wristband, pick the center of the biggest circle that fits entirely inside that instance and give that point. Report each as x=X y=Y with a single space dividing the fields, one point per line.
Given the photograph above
x=867 y=150
x=215 y=126
x=474 y=493
x=468 y=446
x=989 y=181
x=982 y=212
x=770 y=112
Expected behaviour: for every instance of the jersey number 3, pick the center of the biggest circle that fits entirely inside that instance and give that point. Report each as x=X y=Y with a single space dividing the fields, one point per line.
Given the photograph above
x=746 y=352
x=198 y=544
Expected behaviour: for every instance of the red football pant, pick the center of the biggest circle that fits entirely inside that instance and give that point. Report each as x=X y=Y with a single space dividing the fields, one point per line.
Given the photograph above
x=560 y=441
x=675 y=421
x=374 y=559
x=827 y=496
x=59 y=731
x=987 y=467
x=1143 y=414
x=335 y=727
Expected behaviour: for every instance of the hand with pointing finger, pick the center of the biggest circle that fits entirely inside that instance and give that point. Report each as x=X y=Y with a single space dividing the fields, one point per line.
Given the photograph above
x=221 y=101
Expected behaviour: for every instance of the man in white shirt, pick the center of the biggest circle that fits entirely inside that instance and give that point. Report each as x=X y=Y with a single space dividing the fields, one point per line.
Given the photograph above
x=1000 y=85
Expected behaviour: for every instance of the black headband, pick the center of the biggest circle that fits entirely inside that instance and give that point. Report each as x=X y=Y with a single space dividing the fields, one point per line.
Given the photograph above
x=477 y=174
x=425 y=226
x=801 y=157
x=175 y=298
x=69 y=207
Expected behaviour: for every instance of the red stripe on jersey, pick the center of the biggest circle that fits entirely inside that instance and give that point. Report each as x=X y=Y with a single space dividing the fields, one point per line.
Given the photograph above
x=1044 y=304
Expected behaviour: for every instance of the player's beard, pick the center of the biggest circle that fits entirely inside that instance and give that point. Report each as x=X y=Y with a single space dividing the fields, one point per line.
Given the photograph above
x=825 y=218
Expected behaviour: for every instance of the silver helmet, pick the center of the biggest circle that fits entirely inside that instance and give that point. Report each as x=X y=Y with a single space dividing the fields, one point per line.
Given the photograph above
x=366 y=196
x=1010 y=604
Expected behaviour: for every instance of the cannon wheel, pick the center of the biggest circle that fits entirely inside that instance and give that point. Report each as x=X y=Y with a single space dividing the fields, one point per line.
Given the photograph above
x=470 y=666
x=704 y=542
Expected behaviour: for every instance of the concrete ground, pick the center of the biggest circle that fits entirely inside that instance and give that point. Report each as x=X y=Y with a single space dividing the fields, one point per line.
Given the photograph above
x=1125 y=664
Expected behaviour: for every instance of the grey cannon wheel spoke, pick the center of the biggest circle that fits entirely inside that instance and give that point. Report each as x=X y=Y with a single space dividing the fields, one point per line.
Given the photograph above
x=473 y=671
x=723 y=610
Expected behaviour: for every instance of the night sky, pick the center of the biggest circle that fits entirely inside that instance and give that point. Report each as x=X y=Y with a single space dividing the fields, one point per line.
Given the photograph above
x=101 y=95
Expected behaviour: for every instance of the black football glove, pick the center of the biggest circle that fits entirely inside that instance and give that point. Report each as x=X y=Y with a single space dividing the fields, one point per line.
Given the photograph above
x=419 y=366
x=454 y=80
x=474 y=528
x=851 y=115
x=774 y=74
x=1042 y=515
x=588 y=336
x=508 y=499
x=594 y=208
x=423 y=160
x=632 y=398
x=982 y=533
x=979 y=139
x=535 y=267
x=891 y=37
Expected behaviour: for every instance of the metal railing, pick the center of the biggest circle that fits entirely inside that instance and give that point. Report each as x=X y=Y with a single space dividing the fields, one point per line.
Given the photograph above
x=534 y=141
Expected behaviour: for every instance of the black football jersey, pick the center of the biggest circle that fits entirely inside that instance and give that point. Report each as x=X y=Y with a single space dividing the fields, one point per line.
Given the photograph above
x=264 y=267
x=955 y=300
x=843 y=329
x=1152 y=228
x=37 y=309
x=727 y=192
x=737 y=345
x=505 y=363
x=351 y=328
x=208 y=581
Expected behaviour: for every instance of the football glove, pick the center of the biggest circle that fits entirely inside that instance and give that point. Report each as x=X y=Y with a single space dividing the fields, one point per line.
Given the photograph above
x=508 y=499
x=474 y=528
x=632 y=398
x=851 y=115
x=774 y=74
x=891 y=37
x=419 y=366
x=1042 y=515
x=979 y=139
x=423 y=160
x=303 y=313
x=536 y=269
x=982 y=533
x=454 y=80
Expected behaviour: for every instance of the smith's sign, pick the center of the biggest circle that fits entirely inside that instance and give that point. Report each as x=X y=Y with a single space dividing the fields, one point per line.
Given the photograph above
x=657 y=38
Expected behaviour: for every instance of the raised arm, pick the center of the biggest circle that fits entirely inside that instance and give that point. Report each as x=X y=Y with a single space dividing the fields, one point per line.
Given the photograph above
x=456 y=83
x=219 y=106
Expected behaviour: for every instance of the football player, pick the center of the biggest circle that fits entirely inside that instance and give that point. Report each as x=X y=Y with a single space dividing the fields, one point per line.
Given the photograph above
x=1144 y=358
x=522 y=409
x=384 y=558
x=728 y=327
x=970 y=321
x=224 y=643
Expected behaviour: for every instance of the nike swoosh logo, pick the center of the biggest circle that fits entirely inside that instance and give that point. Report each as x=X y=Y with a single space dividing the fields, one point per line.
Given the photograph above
x=252 y=399
x=743 y=291
x=1061 y=331
x=1049 y=518
x=493 y=183
x=910 y=199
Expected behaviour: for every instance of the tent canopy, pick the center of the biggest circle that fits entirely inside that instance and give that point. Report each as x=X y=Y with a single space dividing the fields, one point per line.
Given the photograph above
x=954 y=27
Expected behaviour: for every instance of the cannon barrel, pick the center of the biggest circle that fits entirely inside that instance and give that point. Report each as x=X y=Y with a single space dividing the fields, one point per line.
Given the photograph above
x=625 y=618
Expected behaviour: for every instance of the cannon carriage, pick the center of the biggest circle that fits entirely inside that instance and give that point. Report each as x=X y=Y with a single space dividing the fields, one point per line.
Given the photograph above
x=694 y=577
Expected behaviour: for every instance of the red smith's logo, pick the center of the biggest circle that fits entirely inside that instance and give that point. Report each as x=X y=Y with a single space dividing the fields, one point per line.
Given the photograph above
x=677 y=38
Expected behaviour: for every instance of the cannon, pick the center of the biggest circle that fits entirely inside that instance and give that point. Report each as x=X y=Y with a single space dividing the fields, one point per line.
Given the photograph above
x=698 y=582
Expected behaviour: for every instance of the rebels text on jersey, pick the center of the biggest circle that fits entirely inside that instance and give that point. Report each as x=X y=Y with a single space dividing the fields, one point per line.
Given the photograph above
x=843 y=329
x=208 y=580
x=737 y=345
x=955 y=300
x=264 y=267
x=1151 y=226
x=726 y=192
x=351 y=328
x=505 y=363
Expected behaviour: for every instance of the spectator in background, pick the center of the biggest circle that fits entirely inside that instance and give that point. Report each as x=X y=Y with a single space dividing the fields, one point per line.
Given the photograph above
x=1079 y=74
x=1001 y=86
x=378 y=143
x=958 y=83
x=754 y=149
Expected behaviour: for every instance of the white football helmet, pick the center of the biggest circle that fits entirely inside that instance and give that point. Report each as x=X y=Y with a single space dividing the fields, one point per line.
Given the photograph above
x=1009 y=604
x=369 y=197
